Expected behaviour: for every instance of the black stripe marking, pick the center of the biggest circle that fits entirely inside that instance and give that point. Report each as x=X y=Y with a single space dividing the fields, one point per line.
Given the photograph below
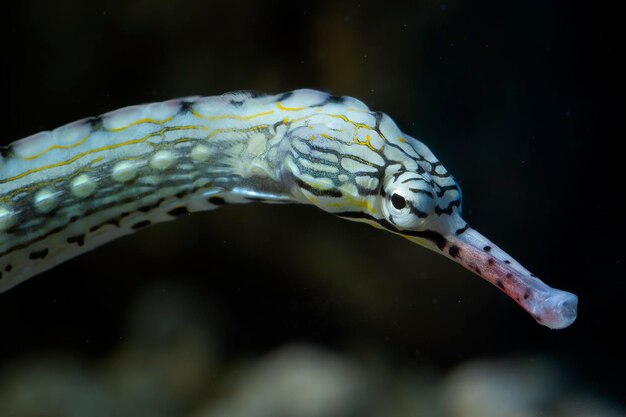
x=448 y=210
x=115 y=221
x=218 y=201
x=178 y=211
x=462 y=230
x=445 y=188
x=404 y=181
x=454 y=251
x=317 y=192
x=41 y=254
x=420 y=191
x=284 y=96
x=150 y=207
x=141 y=224
x=417 y=212
x=437 y=238
x=79 y=239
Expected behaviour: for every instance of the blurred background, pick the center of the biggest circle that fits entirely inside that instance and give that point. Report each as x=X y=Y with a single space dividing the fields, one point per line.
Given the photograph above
x=284 y=311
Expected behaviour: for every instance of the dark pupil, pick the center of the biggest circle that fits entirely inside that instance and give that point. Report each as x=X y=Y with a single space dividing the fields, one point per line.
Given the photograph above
x=398 y=201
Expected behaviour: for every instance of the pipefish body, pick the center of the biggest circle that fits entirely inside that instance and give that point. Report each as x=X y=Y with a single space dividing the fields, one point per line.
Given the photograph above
x=69 y=190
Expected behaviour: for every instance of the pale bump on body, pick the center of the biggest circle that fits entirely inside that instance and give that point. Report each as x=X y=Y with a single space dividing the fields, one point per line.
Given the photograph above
x=83 y=186
x=124 y=171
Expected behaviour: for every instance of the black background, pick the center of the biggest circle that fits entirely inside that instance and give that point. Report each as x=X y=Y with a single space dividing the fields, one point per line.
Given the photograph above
x=521 y=102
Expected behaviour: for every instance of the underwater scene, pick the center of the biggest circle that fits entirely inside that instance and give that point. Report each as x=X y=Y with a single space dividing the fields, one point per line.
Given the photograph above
x=213 y=255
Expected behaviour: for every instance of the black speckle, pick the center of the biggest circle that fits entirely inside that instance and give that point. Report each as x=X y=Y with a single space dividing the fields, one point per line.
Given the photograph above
x=185 y=106
x=236 y=103
x=148 y=207
x=509 y=275
x=477 y=269
x=181 y=194
x=490 y=261
x=335 y=99
x=112 y=222
x=527 y=294
x=507 y=262
x=41 y=254
x=462 y=230
x=141 y=224
x=5 y=151
x=78 y=239
x=487 y=248
x=8 y=268
x=533 y=275
x=284 y=96
x=330 y=99
x=95 y=123
x=178 y=211
x=454 y=251
x=500 y=284
x=218 y=201
x=253 y=93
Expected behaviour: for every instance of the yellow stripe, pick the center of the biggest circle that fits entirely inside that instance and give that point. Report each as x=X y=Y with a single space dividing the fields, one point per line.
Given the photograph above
x=104 y=148
x=80 y=142
x=37 y=186
x=83 y=140
x=345 y=119
x=352 y=202
x=281 y=107
x=141 y=121
x=367 y=142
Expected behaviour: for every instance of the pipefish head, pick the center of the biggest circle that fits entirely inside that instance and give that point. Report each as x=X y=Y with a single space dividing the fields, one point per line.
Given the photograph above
x=377 y=176
x=396 y=183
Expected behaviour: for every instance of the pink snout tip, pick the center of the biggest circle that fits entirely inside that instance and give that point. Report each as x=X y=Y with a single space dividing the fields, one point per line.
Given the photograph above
x=557 y=310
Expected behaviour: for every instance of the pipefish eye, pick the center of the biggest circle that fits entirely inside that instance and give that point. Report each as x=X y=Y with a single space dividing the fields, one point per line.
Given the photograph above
x=409 y=200
x=398 y=201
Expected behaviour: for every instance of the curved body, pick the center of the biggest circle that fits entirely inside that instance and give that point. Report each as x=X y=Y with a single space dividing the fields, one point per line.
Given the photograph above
x=72 y=189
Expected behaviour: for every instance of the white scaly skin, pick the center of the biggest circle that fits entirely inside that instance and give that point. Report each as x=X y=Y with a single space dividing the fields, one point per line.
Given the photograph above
x=69 y=190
